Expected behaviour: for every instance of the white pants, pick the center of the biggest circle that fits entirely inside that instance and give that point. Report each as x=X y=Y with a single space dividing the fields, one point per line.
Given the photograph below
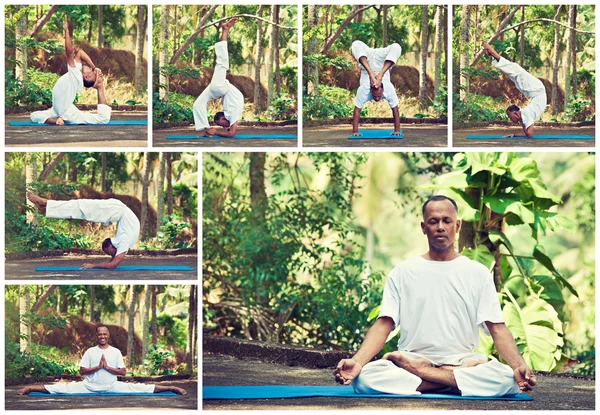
x=118 y=387
x=74 y=116
x=492 y=379
x=219 y=86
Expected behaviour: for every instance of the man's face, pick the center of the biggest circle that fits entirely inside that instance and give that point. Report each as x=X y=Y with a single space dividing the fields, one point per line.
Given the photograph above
x=102 y=336
x=440 y=225
x=111 y=250
x=223 y=122
x=515 y=116
x=377 y=93
x=88 y=74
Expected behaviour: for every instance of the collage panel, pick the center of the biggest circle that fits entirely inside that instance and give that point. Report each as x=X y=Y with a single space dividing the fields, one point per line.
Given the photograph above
x=103 y=216
x=524 y=75
x=473 y=268
x=375 y=76
x=76 y=76
x=67 y=343
x=225 y=75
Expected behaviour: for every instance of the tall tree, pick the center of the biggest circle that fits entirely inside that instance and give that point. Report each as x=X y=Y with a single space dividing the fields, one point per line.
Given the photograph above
x=92 y=295
x=24 y=326
x=49 y=167
x=573 y=24
x=21 y=49
x=257 y=62
x=43 y=20
x=570 y=48
x=522 y=38
x=189 y=356
x=146 y=321
x=100 y=25
x=139 y=82
x=271 y=60
x=160 y=192
x=384 y=13
x=464 y=55
x=130 y=323
x=557 y=52
x=356 y=11
x=163 y=79
x=258 y=194
x=276 y=51
x=438 y=49
x=103 y=173
x=313 y=69
x=42 y=298
x=154 y=322
x=30 y=176
x=169 y=175
x=145 y=186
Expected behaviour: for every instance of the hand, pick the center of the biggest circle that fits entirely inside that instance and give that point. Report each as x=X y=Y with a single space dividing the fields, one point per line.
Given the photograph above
x=209 y=132
x=378 y=80
x=60 y=121
x=373 y=79
x=87 y=266
x=103 y=364
x=508 y=136
x=346 y=371
x=525 y=378
x=65 y=23
x=356 y=134
x=99 y=79
x=396 y=133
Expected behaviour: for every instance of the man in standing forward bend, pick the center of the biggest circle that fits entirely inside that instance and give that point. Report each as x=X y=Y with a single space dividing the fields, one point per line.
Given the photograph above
x=104 y=211
x=375 y=84
x=219 y=87
x=529 y=86
x=81 y=72
x=100 y=365
x=439 y=300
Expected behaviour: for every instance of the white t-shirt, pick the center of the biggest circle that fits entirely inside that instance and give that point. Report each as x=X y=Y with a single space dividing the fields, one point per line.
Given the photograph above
x=439 y=306
x=66 y=88
x=102 y=379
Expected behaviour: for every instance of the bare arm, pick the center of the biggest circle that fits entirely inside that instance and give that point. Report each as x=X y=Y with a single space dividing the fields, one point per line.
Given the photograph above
x=365 y=63
x=355 y=121
x=386 y=67
x=528 y=132
x=68 y=44
x=230 y=133
x=112 y=264
x=88 y=370
x=396 y=115
x=83 y=57
x=505 y=344
x=119 y=372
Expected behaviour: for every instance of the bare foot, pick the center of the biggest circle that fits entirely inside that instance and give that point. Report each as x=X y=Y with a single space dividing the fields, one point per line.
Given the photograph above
x=24 y=391
x=412 y=366
x=99 y=79
x=227 y=26
x=39 y=202
x=180 y=391
x=60 y=121
x=472 y=363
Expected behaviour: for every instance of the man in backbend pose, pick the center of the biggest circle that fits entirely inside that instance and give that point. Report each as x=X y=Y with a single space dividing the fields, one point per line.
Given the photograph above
x=375 y=83
x=219 y=87
x=529 y=86
x=81 y=72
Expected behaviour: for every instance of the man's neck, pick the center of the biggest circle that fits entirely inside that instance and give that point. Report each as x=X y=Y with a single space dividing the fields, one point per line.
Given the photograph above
x=103 y=346
x=441 y=256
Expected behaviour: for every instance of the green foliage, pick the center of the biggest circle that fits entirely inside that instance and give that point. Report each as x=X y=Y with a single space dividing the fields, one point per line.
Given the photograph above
x=28 y=92
x=171 y=231
x=440 y=103
x=156 y=357
x=578 y=109
x=174 y=329
x=478 y=108
x=40 y=361
x=586 y=83
x=165 y=111
x=331 y=102
x=283 y=107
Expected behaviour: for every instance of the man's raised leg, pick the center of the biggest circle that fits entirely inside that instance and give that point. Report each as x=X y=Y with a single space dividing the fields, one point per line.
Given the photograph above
x=35 y=388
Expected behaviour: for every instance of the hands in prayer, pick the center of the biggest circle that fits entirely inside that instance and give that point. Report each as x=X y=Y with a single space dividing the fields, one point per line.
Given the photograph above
x=103 y=364
x=346 y=371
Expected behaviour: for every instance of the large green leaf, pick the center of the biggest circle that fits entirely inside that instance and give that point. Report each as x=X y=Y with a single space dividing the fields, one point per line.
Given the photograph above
x=499 y=203
x=547 y=262
x=522 y=211
x=485 y=161
x=480 y=254
x=522 y=168
x=552 y=292
x=456 y=179
x=537 y=331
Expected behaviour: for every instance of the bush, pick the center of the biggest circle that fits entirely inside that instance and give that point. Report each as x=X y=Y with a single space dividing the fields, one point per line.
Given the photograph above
x=155 y=359
x=478 y=108
x=34 y=91
x=332 y=102
x=39 y=361
x=579 y=109
x=165 y=111
x=169 y=233
x=283 y=107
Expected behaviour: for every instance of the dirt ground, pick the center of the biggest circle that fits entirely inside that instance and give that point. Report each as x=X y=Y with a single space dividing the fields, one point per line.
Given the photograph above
x=189 y=401
x=25 y=269
x=551 y=393
x=415 y=135
x=159 y=138
x=80 y=135
x=459 y=137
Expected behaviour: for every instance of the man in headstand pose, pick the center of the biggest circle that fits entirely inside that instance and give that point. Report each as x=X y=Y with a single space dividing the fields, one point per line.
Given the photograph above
x=101 y=365
x=80 y=72
x=529 y=86
x=105 y=211
x=219 y=87
x=375 y=83
x=439 y=300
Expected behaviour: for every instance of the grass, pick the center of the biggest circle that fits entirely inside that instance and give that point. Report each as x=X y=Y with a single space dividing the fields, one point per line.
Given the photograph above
x=117 y=92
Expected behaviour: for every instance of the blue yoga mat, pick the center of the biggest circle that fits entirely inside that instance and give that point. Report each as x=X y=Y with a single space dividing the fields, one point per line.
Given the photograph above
x=535 y=137
x=123 y=268
x=113 y=122
x=384 y=134
x=103 y=394
x=277 y=392
x=237 y=137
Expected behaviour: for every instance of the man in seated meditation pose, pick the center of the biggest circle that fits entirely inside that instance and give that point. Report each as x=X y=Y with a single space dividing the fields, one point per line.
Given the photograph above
x=439 y=300
x=375 y=84
x=100 y=365
x=80 y=72
x=219 y=87
x=105 y=211
x=529 y=86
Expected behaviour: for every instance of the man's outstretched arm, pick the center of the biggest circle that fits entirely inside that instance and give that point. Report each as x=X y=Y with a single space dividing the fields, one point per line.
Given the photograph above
x=68 y=44
x=386 y=67
x=83 y=57
x=396 y=115
x=348 y=369
x=372 y=77
x=112 y=264
x=528 y=132
x=228 y=134
x=505 y=344
x=355 y=121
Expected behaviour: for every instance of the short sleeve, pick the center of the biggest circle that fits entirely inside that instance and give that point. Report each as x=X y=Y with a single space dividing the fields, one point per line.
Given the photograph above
x=527 y=117
x=390 y=303
x=121 y=363
x=75 y=73
x=488 y=308
x=86 y=360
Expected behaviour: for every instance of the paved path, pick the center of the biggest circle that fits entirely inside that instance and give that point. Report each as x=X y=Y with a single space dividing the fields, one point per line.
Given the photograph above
x=159 y=138
x=415 y=135
x=189 y=401
x=459 y=137
x=25 y=269
x=79 y=136
x=552 y=393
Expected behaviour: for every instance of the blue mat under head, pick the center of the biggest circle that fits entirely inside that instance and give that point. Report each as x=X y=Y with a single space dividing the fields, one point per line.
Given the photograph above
x=103 y=394
x=113 y=122
x=535 y=137
x=383 y=134
x=277 y=392
x=237 y=137
x=123 y=268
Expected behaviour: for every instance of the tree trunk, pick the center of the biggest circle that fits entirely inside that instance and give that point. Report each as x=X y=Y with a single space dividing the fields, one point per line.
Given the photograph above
x=498 y=33
x=257 y=62
x=570 y=47
x=24 y=326
x=522 y=38
x=146 y=321
x=423 y=102
x=438 y=50
x=21 y=49
x=464 y=56
x=50 y=166
x=103 y=174
x=64 y=307
x=199 y=29
x=466 y=236
x=272 y=57
x=445 y=43
x=189 y=354
x=130 y=324
x=139 y=82
x=258 y=195
x=384 y=41
x=169 y=184
x=154 y=325
x=42 y=21
x=42 y=299
x=30 y=175
x=574 y=52
x=276 y=52
x=145 y=185
x=160 y=192
x=92 y=301
x=163 y=79
x=100 y=35
x=312 y=86
x=557 y=52
x=356 y=10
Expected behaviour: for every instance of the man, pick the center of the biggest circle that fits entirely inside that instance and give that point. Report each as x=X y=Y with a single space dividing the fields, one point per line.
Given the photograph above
x=375 y=83
x=529 y=86
x=219 y=87
x=439 y=300
x=105 y=211
x=80 y=72
x=101 y=365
